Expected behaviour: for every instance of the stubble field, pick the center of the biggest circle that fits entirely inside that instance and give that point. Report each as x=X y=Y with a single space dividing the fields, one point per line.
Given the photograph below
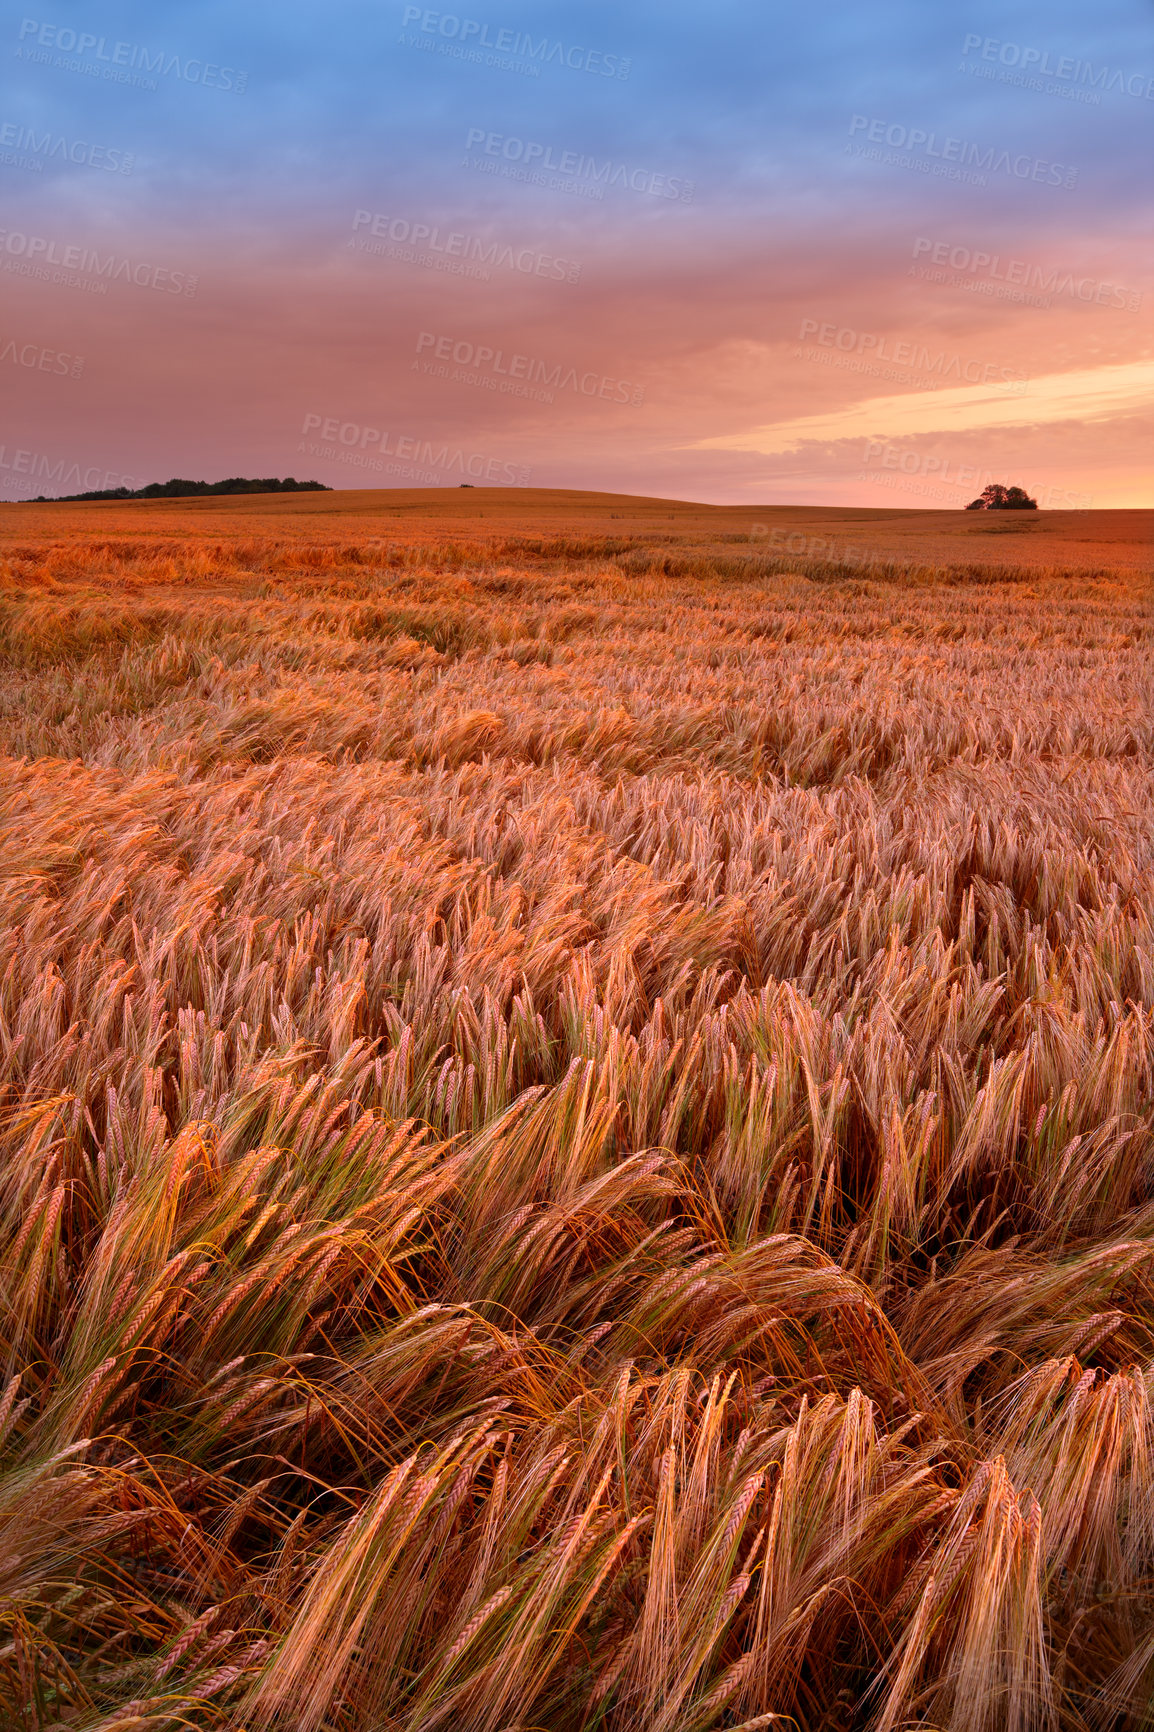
x=577 y=1117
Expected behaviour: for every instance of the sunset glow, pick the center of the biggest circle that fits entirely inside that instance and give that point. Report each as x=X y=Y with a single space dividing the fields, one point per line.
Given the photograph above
x=577 y=867
x=722 y=263
x=1087 y=395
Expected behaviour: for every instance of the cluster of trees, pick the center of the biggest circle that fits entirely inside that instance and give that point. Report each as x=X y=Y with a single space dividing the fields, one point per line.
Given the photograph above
x=999 y=498
x=177 y=489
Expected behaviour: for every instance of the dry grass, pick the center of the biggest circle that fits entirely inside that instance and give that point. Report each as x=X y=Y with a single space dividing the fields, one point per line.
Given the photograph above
x=576 y=1139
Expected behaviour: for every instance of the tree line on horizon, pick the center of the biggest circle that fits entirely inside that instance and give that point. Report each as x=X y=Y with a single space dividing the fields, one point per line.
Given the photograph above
x=180 y=489
x=999 y=498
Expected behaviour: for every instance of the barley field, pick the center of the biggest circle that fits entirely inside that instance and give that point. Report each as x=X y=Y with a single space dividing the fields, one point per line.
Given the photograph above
x=577 y=1118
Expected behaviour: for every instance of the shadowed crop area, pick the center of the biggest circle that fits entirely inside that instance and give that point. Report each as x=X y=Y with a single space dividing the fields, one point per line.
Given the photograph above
x=577 y=1127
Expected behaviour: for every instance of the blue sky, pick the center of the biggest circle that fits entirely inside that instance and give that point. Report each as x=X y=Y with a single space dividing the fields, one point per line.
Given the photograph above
x=799 y=212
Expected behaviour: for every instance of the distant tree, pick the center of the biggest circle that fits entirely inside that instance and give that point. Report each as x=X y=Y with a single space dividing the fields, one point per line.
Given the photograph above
x=995 y=497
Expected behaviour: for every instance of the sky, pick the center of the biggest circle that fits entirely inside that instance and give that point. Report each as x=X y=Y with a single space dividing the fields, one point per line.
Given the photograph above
x=744 y=252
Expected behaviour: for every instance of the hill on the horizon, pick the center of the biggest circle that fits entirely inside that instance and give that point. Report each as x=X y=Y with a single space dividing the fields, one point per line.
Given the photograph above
x=495 y=517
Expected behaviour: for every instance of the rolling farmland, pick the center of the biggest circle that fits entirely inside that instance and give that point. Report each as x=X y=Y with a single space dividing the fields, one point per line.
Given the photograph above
x=577 y=1116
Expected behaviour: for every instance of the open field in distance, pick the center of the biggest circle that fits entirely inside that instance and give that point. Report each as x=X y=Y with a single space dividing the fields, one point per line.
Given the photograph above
x=578 y=1114
x=491 y=515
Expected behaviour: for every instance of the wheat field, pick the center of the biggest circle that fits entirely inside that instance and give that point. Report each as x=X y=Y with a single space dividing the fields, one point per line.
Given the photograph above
x=576 y=1126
